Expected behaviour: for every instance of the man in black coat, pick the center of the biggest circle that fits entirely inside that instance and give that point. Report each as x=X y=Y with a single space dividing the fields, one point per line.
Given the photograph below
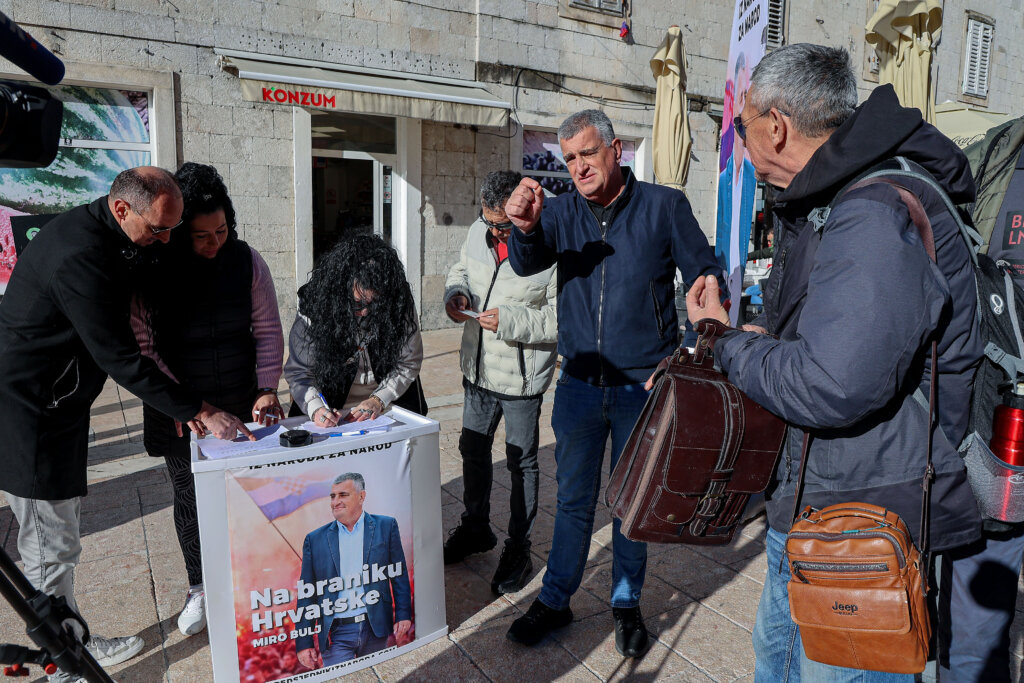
x=851 y=307
x=64 y=327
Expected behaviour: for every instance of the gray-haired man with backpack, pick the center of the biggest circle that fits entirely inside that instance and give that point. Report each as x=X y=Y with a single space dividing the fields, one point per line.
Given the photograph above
x=852 y=306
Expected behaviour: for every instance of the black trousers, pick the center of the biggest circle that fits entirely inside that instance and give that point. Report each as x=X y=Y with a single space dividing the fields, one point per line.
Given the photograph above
x=163 y=442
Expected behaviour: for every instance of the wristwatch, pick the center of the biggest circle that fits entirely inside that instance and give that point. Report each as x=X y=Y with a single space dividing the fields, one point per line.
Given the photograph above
x=266 y=390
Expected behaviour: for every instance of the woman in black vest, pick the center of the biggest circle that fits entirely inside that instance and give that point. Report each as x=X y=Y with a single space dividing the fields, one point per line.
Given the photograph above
x=210 y=320
x=355 y=346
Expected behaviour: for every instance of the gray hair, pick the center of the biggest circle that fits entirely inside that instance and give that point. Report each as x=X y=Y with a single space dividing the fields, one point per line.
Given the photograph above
x=814 y=84
x=575 y=124
x=497 y=188
x=353 y=477
x=141 y=186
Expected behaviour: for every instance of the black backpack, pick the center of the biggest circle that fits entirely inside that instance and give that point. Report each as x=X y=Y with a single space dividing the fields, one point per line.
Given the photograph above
x=998 y=487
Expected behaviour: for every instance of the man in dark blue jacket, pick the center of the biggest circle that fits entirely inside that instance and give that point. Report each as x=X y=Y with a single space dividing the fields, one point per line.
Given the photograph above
x=852 y=306
x=617 y=243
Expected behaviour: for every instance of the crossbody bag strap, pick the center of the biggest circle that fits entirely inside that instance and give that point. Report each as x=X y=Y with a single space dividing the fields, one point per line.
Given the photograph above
x=924 y=227
x=804 y=450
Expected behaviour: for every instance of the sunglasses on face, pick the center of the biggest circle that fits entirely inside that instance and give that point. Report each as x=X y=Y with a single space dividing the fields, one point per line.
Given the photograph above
x=741 y=128
x=152 y=228
x=507 y=225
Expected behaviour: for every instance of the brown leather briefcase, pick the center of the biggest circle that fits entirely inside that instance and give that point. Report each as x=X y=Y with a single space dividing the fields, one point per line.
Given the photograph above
x=698 y=451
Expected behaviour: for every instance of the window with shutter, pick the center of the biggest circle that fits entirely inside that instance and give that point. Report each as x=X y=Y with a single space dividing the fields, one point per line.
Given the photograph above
x=977 y=57
x=613 y=7
x=776 y=23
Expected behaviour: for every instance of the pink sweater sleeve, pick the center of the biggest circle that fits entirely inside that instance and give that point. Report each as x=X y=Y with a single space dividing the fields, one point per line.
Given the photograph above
x=266 y=325
x=144 y=338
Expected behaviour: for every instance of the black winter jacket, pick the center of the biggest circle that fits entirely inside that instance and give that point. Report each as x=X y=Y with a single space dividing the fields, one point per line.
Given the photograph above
x=855 y=308
x=64 y=326
x=616 y=296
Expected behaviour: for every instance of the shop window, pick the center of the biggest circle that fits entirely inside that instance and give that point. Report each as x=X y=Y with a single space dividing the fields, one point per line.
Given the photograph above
x=776 y=23
x=977 y=57
x=104 y=132
x=542 y=160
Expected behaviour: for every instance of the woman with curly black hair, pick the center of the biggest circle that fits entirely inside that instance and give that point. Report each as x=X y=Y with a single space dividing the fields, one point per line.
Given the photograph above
x=216 y=328
x=355 y=347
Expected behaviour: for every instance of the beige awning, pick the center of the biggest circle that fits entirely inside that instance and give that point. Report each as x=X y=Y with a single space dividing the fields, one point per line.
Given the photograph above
x=964 y=124
x=368 y=91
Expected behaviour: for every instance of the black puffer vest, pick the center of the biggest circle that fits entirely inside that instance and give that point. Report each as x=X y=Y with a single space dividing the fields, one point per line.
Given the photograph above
x=205 y=336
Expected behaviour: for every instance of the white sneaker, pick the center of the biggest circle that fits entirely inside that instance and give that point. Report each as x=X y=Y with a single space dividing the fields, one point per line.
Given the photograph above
x=192 y=619
x=111 y=651
x=61 y=677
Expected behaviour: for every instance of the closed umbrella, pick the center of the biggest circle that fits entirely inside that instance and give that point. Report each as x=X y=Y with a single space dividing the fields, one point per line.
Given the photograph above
x=903 y=33
x=671 y=125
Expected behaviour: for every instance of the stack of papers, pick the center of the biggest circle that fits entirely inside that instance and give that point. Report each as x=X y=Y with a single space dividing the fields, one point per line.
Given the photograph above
x=380 y=424
x=269 y=437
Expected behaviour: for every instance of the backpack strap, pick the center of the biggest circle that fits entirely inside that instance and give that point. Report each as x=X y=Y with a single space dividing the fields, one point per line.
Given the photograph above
x=1013 y=366
x=902 y=167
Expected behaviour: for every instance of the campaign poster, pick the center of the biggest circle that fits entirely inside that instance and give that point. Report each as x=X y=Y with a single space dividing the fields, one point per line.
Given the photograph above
x=321 y=562
x=736 y=180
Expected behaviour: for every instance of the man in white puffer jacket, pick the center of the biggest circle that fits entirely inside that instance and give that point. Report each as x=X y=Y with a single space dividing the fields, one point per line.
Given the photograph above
x=508 y=358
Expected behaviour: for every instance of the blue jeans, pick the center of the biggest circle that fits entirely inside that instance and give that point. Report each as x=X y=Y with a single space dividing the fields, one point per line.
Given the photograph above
x=977 y=594
x=582 y=417
x=778 y=652
x=348 y=641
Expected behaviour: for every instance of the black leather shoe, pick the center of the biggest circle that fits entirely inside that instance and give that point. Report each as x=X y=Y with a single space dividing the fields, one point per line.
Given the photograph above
x=514 y=568
x=538 y=621
x=464 y=540
x=630 y=633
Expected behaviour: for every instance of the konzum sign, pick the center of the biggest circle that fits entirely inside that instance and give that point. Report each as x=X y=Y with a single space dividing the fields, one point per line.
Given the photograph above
x=299 y=97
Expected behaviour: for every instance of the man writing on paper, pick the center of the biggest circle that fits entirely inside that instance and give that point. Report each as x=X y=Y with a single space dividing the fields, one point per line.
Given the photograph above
x=357 y=616
x=508 y=359
x=64 y=327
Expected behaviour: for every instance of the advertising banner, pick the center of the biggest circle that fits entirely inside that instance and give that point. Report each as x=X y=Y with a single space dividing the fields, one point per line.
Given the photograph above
x=736 y=180
x=322 y=562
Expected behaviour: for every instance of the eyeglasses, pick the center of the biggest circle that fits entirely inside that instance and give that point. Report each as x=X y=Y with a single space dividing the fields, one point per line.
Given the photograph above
x=741 y=128
x=507 y=225
x=153 y=229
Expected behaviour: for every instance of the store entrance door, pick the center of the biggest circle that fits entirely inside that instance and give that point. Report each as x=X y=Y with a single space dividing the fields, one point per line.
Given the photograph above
x=351 y=195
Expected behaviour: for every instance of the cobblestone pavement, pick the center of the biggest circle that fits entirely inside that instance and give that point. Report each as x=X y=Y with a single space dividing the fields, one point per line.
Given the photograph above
x=700 y=602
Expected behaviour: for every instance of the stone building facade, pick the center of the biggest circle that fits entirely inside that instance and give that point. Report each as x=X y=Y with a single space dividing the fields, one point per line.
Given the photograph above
x=290 y=168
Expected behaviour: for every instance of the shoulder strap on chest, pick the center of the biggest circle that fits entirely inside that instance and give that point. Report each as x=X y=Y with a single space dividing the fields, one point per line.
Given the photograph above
x=900 y=167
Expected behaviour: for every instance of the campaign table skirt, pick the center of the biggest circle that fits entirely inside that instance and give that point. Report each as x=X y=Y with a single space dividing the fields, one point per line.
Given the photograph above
x=264 y=514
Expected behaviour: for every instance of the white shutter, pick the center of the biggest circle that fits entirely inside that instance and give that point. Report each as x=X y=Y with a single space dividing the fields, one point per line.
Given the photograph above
x=776 y=21
x=977 y=58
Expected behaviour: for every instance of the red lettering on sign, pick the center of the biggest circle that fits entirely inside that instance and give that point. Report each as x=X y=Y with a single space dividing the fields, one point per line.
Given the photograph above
x=329 y=101
x=316 y=99
x=268 y=95
x=280 y=96
x=1017 y=221
x=293 y=98
x=1015 y=237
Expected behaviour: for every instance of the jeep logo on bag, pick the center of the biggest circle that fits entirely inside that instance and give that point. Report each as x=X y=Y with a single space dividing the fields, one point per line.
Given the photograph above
x=848 y=610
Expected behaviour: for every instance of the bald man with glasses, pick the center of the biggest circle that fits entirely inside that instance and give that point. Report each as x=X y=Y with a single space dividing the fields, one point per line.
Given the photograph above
x=64 y=327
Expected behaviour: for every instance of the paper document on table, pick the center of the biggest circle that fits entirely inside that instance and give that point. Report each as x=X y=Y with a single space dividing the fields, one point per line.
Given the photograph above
x=266 y=438
x=380 y=424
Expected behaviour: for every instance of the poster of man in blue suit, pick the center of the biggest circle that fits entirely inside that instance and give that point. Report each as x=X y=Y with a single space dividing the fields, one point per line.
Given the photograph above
x=355 y=568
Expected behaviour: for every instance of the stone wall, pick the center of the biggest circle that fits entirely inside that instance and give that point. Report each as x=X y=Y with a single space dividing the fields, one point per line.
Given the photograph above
x=494 y=41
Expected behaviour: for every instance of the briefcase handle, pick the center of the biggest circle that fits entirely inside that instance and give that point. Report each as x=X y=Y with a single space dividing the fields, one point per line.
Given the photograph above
x=709 y=331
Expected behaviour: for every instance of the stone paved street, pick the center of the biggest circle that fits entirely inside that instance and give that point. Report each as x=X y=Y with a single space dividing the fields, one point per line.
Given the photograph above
x=700 y=602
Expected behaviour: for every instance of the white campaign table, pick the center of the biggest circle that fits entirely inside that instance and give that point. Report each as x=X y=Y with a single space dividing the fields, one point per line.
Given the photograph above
x=412 y=444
